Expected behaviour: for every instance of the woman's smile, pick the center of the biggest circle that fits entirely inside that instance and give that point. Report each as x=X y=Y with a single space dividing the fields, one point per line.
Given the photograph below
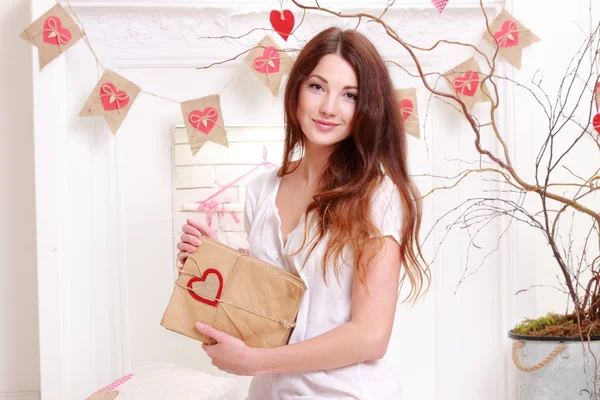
x=325 y=126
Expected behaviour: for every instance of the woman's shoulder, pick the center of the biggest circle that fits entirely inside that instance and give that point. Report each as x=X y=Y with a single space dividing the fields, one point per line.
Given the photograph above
x=262 y=182
x=386 y=203
x=386 y=192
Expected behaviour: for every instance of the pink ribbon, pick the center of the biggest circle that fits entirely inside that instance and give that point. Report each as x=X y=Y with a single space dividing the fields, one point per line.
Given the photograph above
x=210 y=205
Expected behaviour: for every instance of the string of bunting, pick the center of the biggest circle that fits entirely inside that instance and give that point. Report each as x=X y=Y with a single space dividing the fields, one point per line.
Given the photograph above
x=56 y=31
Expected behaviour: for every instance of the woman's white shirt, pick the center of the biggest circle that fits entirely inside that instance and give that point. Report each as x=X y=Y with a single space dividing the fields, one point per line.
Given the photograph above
x=323 y=307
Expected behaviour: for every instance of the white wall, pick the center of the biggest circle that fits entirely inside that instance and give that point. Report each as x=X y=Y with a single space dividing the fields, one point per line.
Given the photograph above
x=131 y=230
x=19 y=354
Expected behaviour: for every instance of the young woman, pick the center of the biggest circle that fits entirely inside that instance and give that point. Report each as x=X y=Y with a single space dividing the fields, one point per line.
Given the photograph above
x=344 y=216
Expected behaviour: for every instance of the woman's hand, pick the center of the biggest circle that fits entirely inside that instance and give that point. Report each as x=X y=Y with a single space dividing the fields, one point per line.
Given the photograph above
x=190 y=238
x=229 y=354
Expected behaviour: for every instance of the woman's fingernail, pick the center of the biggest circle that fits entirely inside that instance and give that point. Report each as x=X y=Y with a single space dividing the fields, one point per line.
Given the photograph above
x=199 y=325
x=197 y=242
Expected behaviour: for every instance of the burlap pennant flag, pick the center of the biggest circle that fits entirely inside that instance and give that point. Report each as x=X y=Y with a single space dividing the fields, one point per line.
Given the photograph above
x=53 y=33
x=407 y=101
x=466 y=80
x=112 y=98
x=597 y=97
x=512 y=37
x=269 y=63
x=204 y=121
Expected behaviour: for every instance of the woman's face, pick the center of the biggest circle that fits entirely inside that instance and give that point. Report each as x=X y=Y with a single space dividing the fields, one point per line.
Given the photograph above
x=327 y=101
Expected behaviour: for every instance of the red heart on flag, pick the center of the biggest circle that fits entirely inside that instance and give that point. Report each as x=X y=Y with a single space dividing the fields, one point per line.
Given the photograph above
x=207 y=289
x=596 y=123
x=54 y=33
x=204 y=120
x=508 y=35
x=406 y=107
x=467 y=84
x=112 y=99
x=268 y=63
x=282 y=23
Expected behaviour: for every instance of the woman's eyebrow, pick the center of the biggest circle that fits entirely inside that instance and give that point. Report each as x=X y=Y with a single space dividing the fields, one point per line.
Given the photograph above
x=325 y=80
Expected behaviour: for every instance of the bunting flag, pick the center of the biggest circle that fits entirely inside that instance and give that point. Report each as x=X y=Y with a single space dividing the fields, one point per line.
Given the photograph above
x=269 y=63
x=466 y=80
x=53 y=34
x=439 y=4
x=204 y=121
x=112 y=98
x=407 y=101
x=597 y=97
x=511 y=36
x=282 y=22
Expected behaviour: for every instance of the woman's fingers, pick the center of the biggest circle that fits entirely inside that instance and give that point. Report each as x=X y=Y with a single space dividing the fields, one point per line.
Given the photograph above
x=182 y=256
x=189 y=239
x=203 y=229
x=181 y=246
x=190 y=230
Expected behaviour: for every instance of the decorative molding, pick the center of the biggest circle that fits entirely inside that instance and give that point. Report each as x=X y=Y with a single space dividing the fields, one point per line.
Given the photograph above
x=262 y=5
x=139 y=32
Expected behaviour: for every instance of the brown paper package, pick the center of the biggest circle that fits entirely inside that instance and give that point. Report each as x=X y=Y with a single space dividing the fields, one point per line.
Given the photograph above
x=236 y=294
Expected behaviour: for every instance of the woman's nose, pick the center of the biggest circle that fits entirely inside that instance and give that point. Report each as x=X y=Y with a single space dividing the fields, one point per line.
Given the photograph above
x=328 y=106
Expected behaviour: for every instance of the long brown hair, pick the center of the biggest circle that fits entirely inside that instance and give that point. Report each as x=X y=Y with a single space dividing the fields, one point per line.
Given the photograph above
x=353 y=170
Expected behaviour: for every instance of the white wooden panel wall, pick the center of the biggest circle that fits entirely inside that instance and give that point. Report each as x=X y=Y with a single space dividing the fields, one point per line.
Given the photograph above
x=196 y=178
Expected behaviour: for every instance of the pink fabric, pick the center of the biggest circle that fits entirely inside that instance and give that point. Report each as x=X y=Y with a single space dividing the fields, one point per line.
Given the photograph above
x=439 y=4
x=115 y=384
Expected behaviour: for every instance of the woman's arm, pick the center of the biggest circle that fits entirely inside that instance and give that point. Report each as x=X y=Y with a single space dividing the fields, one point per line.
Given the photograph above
x=365 y=337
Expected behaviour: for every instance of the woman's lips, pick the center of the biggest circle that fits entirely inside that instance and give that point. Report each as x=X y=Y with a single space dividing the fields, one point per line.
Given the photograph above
x=324 y=125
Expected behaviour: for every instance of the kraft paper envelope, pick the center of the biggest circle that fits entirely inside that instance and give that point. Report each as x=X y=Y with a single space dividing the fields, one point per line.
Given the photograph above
x=234 y=293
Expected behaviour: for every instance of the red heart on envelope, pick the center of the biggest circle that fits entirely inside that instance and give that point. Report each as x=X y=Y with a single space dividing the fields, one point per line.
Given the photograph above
x=111 y=98
x=467 y=84
x=204 y=120
x=596 y=123
x=406 y=108
x=268 y=63
x=54 y=33
x=210 y=284
x=508 y=35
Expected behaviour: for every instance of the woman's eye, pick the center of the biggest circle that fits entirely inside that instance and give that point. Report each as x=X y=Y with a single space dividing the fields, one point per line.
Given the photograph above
x=352 y=96
x=316 y=86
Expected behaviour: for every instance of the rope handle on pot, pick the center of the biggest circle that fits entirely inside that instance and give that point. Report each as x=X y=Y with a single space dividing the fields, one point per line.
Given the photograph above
x=515 y=356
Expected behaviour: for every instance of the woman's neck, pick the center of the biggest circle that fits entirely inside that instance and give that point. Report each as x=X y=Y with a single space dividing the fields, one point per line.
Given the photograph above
x=312 y=164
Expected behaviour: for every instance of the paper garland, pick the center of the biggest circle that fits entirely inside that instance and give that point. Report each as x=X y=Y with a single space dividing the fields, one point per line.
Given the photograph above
x=511 y=36
x=204 y=121
x=112 y=98
x=596 y=123
x=53 y=33
x=269 y=63
x=407 y=102
x=282 y=22
x=466 y=81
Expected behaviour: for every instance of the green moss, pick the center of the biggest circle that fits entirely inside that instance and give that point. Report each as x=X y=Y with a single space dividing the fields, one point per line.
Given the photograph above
x=530 y=326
